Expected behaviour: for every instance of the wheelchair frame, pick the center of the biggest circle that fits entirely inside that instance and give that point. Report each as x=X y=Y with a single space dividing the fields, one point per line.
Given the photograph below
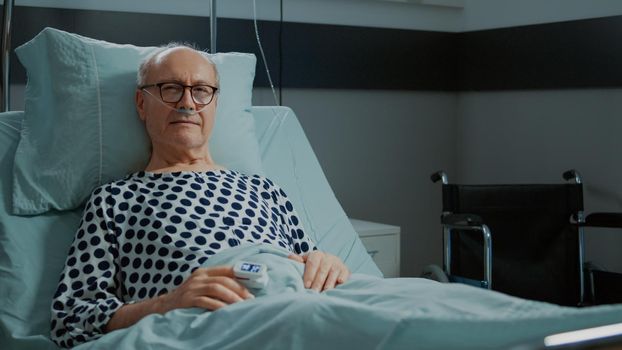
x=472 y=222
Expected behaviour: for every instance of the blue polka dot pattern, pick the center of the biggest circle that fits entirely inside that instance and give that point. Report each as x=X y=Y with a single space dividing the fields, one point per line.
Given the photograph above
x=144 y=235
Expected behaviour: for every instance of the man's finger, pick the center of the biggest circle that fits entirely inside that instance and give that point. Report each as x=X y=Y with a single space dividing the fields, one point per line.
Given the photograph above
x=331 y=280
x=296 y=257
x=221 y=292
x=208 y=303
x=312 y=264
x=344 y=275
x=232 y=285
x=321 y=275
x=226 y=271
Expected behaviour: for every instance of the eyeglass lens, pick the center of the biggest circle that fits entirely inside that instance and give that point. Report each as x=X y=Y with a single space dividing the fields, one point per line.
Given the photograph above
x=173 y=92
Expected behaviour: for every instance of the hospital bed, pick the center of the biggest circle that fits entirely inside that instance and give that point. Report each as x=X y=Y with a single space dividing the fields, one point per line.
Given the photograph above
x=42 y=182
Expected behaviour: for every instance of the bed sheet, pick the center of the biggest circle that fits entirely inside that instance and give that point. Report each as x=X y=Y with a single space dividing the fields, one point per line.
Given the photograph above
x=367 y=312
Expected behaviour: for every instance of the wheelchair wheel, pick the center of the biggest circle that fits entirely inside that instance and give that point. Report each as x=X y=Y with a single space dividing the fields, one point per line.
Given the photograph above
x=435 y=273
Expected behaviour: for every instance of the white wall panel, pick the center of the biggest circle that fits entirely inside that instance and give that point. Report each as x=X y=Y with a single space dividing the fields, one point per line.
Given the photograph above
x=487 y=14
x=370 y=13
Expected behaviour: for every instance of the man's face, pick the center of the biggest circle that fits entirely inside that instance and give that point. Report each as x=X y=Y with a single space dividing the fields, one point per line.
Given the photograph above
x=168 y=129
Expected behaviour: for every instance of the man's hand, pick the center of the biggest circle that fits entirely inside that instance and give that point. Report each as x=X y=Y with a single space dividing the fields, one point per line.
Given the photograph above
x=208 y=288
x=323 y=271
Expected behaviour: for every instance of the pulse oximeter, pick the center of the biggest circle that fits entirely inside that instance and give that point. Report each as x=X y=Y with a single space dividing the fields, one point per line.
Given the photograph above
x=251 y=274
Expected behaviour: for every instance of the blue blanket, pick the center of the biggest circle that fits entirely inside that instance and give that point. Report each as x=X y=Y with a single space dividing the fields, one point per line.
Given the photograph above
x=364 y=313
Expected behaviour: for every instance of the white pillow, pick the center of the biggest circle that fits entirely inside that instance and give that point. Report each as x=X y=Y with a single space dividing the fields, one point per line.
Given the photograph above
x=81 y=129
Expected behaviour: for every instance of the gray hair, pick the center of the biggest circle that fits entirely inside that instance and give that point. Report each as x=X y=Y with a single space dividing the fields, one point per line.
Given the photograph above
x=147 y=63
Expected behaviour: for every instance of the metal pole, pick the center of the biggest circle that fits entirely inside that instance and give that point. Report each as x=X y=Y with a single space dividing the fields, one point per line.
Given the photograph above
x=5 y=86
x=212 y=22
x=447 y=252
x=487 y=256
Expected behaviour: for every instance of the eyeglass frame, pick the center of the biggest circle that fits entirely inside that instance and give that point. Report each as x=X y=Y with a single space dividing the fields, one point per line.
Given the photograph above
x=159 y=85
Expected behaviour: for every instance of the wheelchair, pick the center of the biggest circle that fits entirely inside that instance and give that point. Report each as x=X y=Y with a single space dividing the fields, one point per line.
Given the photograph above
x=525 y=240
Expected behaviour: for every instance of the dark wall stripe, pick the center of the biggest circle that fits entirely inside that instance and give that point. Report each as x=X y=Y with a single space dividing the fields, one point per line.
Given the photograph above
x=574 y=54
x=328 y=56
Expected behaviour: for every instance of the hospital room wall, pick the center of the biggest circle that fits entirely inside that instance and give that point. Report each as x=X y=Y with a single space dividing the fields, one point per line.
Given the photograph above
x=534 y=136
x=487 y=14
x=377 y=149
x=515 y=135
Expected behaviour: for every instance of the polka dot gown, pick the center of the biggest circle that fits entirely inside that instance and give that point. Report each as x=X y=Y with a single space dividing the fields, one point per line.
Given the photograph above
x=142 y=236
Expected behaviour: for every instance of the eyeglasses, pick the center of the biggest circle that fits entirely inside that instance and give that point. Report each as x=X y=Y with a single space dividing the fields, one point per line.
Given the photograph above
x=174 y=92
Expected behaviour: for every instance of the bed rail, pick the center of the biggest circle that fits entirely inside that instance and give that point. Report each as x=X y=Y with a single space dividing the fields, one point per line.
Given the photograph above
x=5 y=98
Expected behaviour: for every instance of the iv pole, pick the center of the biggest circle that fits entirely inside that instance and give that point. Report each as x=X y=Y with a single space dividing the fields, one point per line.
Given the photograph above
x=212 y=23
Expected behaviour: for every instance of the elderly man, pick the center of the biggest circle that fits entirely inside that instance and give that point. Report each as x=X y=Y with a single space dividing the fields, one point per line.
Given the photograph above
x=143 y=239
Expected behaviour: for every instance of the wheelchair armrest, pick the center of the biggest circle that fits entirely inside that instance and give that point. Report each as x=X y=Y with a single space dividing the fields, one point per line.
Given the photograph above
x=613 y=220
x=461 y=219
x=439 y=176
x=572 y=174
